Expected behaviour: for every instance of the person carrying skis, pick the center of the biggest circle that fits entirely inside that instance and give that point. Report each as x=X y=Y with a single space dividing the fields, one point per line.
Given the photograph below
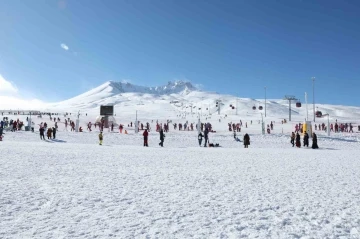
x=101 y=137
x=145 y=134
x=162 y=136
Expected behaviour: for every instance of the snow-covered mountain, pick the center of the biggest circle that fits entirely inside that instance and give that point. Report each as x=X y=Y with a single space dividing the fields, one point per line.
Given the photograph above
x=179 y=97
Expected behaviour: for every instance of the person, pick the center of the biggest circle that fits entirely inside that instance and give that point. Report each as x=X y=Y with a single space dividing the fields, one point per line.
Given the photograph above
x=162 y=136
x=206 y=136
x=49 y=133
x=54 y=132
x=306 y=139
x=42 y=136
x=292 y=138
x=314 y=141
x=200 y=136
x=234 y=134
x=145 y=134
x=246 y=141
x=101 y=137
x=297 y=142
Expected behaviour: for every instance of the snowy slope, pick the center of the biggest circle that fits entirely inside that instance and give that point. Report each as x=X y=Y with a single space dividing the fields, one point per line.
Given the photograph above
x=158 y=102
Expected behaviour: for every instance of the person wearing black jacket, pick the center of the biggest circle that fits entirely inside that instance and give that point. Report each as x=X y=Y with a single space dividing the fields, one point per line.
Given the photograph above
x=162 y=136
x=314 y=141
x=206 y=136
x=54 y=132
x=297 y=140
x=306 y=139
x=42 y=136
x=246 y=141
x=200 y=136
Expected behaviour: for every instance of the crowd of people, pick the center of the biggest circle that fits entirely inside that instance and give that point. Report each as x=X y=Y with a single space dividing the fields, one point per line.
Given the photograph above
x=296 y=140
x=162 y=128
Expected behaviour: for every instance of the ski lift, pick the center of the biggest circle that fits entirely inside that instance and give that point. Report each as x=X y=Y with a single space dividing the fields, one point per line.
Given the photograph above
x=318 y=114
x=254 y=107
x=298 y=104
x=260 y=107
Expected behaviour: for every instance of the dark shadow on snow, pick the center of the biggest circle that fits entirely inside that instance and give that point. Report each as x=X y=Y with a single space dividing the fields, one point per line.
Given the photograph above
x=58 y=141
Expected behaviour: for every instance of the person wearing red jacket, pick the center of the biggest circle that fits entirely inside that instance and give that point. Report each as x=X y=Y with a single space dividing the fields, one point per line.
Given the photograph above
x=145 y=134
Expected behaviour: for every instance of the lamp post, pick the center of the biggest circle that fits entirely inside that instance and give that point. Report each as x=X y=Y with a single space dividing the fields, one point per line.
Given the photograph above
x=313 y=85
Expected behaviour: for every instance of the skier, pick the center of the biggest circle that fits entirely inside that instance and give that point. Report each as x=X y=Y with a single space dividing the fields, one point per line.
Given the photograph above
x=306 y=139
x=314 y=141
x=200 y=136
x=292 y=138
x=145 y=134
x=246 y=141
x=101 y=138
x=162 y=136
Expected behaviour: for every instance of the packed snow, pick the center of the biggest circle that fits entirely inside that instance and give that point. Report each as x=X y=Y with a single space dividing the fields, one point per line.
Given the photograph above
x=71 y=187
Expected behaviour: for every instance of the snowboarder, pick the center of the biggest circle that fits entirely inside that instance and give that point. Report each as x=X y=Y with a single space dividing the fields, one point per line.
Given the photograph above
x=246 y=140
x=162 y=136
x=145 y=134
x=101 y=138
x=314 y=141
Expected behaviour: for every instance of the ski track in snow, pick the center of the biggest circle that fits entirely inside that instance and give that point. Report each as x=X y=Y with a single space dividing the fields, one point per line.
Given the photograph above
x=74 y=188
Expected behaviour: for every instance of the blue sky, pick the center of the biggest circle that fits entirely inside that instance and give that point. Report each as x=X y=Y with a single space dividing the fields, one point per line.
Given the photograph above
x=235 y=47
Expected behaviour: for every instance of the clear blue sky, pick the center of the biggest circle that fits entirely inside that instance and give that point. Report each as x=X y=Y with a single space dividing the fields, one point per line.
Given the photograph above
x=234 y=47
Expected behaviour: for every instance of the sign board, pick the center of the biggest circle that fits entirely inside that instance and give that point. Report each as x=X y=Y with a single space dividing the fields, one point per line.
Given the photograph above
x=106 y=110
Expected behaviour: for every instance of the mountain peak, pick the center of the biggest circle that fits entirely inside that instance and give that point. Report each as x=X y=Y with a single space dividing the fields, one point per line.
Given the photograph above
x=173 y=87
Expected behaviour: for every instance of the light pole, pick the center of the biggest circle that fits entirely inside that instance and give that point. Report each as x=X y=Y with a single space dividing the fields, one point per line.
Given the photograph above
x=265 y=100
x=313 y=80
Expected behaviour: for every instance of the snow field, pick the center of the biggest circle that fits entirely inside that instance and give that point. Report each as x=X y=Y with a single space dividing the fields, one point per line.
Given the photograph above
x=74 y=188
